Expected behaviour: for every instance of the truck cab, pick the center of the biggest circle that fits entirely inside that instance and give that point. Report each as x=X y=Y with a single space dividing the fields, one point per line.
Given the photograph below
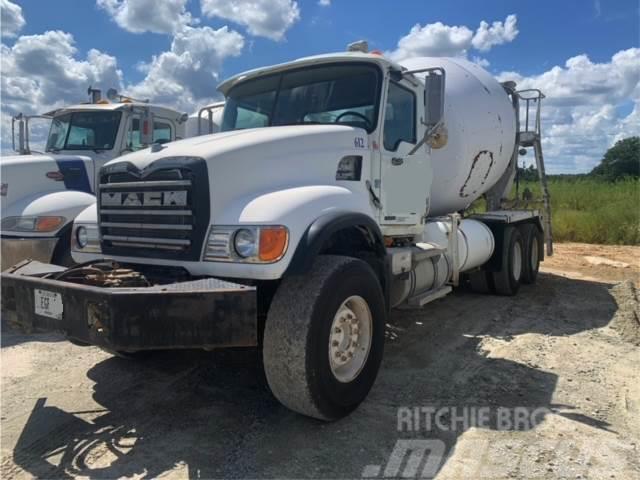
x=339 y=187
x=42 y=192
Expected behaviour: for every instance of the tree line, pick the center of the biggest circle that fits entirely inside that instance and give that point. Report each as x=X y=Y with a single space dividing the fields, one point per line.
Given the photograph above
x=620 y=161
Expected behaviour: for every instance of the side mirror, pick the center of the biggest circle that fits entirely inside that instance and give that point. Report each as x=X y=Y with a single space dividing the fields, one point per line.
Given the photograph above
x=146 y=127
x=434 y=83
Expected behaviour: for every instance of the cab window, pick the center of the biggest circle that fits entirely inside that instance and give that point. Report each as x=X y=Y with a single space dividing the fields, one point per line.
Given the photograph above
x=83 y=130
x=400 y=117
x=161 y=133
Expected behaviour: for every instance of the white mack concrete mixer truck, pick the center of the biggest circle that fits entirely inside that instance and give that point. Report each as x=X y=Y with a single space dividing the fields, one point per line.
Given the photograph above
x=338 y=188
x=43 y=192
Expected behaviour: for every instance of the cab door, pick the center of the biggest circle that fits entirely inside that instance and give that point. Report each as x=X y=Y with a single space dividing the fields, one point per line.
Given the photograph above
x=404 y=178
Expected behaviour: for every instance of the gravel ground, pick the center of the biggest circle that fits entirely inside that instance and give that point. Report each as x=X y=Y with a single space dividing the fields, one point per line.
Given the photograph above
x=554 y=369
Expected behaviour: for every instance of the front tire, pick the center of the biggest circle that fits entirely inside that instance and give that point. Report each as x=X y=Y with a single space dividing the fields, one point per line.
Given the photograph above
x=324 y=337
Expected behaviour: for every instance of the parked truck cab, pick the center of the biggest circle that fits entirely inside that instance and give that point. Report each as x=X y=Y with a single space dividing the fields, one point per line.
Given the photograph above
x=43 y=192
x=337 y=189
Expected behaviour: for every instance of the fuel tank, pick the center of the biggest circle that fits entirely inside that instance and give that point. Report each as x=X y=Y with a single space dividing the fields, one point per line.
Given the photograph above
x=479 y=134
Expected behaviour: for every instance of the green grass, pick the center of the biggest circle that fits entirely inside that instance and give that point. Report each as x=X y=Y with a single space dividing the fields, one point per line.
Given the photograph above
x=593 y=211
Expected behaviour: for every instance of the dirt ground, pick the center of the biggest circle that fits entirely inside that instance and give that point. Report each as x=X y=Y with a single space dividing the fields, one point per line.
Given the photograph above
x=555 y=369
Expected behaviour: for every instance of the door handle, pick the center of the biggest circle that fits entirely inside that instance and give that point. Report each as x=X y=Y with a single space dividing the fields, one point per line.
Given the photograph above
x=397 y=161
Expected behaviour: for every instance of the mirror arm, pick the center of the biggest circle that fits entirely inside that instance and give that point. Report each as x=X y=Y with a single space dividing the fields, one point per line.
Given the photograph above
x=428 y=134
x=409 y=77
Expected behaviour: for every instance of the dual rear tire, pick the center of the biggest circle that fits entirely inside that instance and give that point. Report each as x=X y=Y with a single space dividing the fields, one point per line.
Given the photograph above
x=520 y=261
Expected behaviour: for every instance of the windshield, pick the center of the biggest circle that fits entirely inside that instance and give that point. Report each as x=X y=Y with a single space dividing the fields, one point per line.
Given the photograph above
x=95 y=130
x=344 y=93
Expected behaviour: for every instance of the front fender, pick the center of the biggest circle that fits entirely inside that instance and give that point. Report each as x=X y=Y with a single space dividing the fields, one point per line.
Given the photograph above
x=67 y=204
x=297 y=208
x=321 y=230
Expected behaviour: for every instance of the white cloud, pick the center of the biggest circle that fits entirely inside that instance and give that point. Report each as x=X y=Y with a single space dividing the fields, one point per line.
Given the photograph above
x=324 y=3
x=138 y=16
x=581 y=115
x=483 y=62
x=186 y=75
x=42 y=72
x=434 y=39
x=440 y=40
x=498 y=33
x=263 y=18
x=11 y=18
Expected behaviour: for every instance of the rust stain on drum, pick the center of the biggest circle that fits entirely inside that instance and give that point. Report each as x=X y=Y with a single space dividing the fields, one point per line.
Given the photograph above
x=474 y=165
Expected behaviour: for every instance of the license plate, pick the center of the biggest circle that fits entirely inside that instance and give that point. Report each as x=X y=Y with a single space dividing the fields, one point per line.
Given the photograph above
x=48 y=304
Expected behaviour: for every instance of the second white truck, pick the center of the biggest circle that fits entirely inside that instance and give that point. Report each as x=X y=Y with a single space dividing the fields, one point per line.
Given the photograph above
x=42 y=192
x=338 y=188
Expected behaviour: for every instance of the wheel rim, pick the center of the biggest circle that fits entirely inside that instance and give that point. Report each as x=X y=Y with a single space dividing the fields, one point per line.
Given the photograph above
x=350 y=339
x=516 y=261
x=534 y=254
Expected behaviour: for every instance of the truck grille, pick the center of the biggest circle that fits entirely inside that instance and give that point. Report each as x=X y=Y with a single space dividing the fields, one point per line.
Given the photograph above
x=161 y=212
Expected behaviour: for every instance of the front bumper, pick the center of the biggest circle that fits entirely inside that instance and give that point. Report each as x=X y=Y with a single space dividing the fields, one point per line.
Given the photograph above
x=16 y=249
x=206 y=313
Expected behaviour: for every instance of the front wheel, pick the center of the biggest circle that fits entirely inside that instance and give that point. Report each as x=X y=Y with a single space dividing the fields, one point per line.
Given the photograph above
x=324 y=337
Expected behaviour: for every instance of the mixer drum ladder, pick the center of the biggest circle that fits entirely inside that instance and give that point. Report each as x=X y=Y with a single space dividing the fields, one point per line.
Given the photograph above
x=530 y=137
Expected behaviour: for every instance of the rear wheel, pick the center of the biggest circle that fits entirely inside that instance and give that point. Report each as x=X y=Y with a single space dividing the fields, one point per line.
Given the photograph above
x=533 y=244
x=481 y=282
x=324 y=337
x=507 y=280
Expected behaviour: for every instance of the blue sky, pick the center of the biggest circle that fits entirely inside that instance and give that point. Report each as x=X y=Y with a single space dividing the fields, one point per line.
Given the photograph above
x=175 y=51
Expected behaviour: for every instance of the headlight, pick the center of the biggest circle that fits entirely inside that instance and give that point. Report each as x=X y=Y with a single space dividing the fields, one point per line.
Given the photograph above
x=32 y=224
x=82 y=236
x=244 y=243
x=252 y=244
x=86 y=238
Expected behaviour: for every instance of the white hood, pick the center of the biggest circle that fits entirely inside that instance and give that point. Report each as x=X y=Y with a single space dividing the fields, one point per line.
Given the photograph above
x=27 y=174
x=245 y=163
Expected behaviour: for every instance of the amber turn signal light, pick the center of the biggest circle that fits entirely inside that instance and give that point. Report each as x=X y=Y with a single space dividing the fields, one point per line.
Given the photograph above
x=273 y=243
x=48 y=224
